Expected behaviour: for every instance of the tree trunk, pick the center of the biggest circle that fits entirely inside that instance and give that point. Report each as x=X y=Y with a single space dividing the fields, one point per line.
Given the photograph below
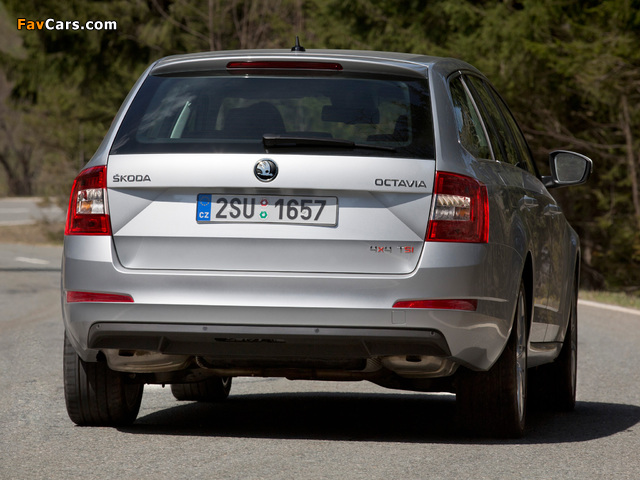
x=19 y=176
x=631 y=158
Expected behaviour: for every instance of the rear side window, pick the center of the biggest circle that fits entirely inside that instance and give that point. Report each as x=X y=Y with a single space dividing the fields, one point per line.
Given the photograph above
x=470 y=129
x=231 y=114
x=526 y=162
x=508 y=142
x=503 y=145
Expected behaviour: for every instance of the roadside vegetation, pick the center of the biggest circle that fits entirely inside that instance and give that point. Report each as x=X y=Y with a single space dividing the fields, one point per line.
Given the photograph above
x=569 y=69
x=40 y=233
x=620 y=299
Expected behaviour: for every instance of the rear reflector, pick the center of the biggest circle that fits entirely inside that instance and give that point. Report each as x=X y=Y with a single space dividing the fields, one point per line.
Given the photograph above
x=460 y=210
x=87 y=214
x=284 y=65
x=468 y=305
x=73 y=297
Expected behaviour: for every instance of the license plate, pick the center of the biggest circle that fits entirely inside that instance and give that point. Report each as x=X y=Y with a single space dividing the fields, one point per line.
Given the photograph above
x=214 y=208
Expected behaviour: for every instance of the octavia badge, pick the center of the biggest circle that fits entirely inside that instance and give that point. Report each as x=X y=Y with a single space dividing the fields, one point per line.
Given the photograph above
x=265 y=170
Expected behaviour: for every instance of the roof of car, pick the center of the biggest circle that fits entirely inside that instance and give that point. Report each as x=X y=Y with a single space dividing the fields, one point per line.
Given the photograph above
x=351 y=59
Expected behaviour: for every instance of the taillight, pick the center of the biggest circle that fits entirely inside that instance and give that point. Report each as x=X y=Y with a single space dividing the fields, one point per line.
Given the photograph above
x=460 y=210
x=457 y=304
x=87 y=214
x=73 y=297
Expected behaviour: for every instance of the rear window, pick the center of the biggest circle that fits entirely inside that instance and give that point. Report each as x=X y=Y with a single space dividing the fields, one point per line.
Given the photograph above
x=232 y=114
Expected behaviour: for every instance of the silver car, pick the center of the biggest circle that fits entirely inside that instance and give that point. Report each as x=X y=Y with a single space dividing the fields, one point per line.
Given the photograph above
x=319 y=215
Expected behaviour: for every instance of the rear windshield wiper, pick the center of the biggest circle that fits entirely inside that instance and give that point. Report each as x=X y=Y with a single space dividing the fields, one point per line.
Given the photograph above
x=296 y=141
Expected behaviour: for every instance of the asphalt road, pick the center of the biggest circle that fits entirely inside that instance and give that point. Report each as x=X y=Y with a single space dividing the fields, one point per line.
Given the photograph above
x=278 y=429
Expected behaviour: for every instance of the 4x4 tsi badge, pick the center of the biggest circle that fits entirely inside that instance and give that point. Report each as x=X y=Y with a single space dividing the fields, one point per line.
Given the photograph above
x=265 y=170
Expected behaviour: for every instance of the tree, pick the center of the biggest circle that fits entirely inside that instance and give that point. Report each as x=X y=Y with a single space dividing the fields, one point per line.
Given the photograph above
x=65 y=86
x=570 y=71
x=599 y=64
x=188 y=26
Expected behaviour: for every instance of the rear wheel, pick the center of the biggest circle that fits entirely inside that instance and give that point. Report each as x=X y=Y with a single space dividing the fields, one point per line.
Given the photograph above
x=493 y=403
x=213 y=389
x=554 y=385
x=95 y=394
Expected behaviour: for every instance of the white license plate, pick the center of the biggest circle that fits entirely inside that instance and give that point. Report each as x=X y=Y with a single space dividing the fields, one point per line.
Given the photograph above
x=213 y=208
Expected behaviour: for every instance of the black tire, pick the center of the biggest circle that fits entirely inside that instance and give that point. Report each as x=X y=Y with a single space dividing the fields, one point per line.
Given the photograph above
x=553 y=386
x=493 y=403
x=214 y=389
x=97 y=395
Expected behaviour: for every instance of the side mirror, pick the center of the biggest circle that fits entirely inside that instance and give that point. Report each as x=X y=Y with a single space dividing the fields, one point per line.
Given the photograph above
x=567 y=169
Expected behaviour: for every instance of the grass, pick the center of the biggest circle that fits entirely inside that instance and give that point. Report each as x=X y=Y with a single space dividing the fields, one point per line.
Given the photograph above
x=620 y=299
x=40 y=233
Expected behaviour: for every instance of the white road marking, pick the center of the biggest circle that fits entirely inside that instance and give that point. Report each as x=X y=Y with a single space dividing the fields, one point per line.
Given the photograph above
x=12 y=223
x=14 y=210
x=34 y=261
x=612 y=308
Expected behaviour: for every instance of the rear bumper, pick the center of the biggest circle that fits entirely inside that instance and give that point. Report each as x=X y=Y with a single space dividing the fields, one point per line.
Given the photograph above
x=233 y=341
x=257 y=315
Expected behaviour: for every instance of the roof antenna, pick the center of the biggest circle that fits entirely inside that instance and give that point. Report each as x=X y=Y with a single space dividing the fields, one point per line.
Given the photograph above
x=297 y=47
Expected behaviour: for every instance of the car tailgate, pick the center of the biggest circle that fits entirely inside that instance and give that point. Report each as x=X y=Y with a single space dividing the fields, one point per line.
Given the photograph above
x=378 y=226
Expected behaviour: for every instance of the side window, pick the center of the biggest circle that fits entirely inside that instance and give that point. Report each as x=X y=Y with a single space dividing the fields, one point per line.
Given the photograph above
x=470 y=129
x=502 y=138
x=521 y=144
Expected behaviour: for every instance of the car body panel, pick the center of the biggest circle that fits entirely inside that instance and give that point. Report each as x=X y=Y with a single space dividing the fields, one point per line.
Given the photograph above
x=257 y=282
x=155 y=226
x=316 y=301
